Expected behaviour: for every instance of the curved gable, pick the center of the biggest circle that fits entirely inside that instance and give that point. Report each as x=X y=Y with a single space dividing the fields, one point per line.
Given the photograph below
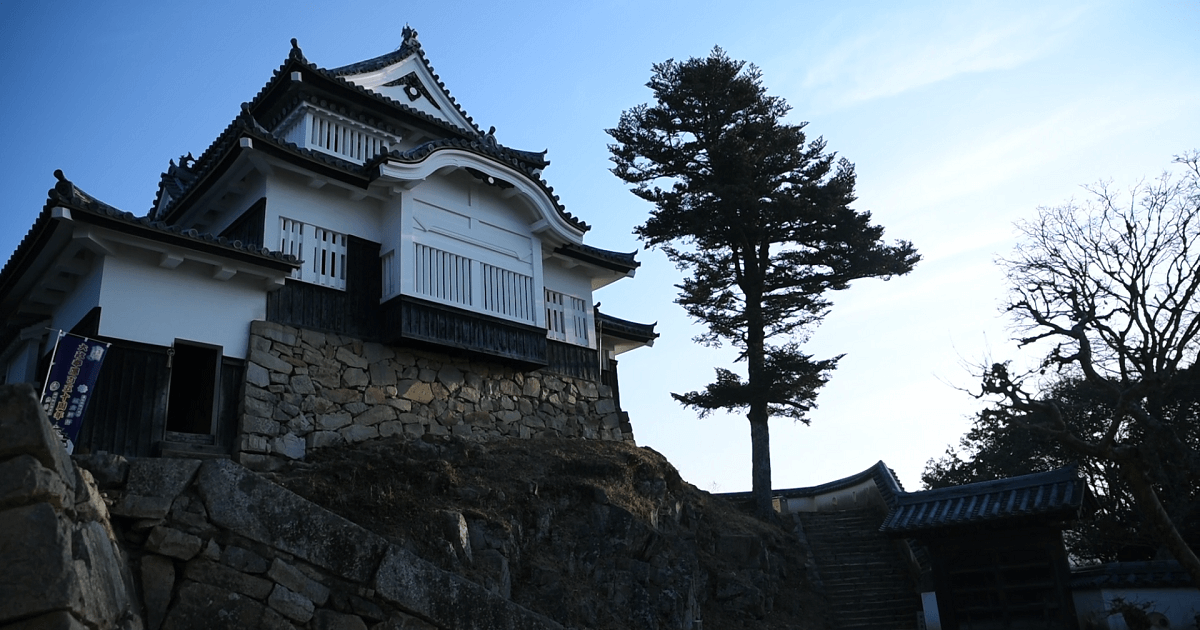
x=406 y=76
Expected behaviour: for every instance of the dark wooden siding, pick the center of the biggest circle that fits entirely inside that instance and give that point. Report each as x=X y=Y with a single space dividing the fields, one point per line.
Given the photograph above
x=129 y=405
x=410 y=319
x=248 y=228
x=353 y=312
x=233 y=373
x=572 y=360
x=128 y=410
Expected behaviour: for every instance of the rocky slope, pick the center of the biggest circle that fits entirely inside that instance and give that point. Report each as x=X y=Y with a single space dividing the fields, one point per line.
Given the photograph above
x=592 y=534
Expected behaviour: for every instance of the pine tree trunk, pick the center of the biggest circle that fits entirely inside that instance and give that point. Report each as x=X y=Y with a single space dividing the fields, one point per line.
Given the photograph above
x=1164 y=529
x=760 y=456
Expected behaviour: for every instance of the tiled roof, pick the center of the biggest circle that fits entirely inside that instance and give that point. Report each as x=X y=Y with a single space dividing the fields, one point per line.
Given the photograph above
x=625 y=328
x=88 y=209
x=885 y=480
x=617 y=261
x=526 y=161
x=66 y=194
x=1155 y=574
x=1057 y=493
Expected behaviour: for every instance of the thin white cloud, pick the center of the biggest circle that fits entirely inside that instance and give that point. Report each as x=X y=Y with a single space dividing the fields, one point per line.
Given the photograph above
x=905 y=50
x=1004 y=153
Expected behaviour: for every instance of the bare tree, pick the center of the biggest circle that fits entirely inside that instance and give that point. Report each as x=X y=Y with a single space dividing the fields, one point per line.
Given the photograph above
x=1107 y=289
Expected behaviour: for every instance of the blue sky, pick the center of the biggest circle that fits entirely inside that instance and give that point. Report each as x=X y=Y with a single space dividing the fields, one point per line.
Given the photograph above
x=960 y=117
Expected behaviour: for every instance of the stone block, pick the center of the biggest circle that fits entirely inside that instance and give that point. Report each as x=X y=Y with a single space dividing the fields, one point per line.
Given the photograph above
x=382 y=374
x=171 y=542
x=354 y=377
x=312 y=337
x=272 y=620
x=259 y=393
x=208 y=572
x=274 y=331
x=302 y=384
x=390 y=428
x=376 y=352
x=605 y=406
x=208 y=607
x=244 y=560
x=321 y=439
x=446 y=599
x=269 y=361
x=135 y=506
x=374 y=395
x=375 y=415
x=333 y=421
x=260 y=425
x=256 y=407
x=108 y=470
x=250 y=506
x=355 y=408
x=26 y=430
x=36 y=569
x=211 y=551
x=291 y=577
x=249 y=443
x=399 y=404
x=347 y=356
x=532 y=388
x=330 y=620
x=24 y=480
x=358 y=433
x=159 y=477
x=158 y=580
x=451 y=377
x=497 y=577
x=257 y=374
x=289 y=445
x=416 y=391
x=300 y=425
x=343 y=396
x=290 y=604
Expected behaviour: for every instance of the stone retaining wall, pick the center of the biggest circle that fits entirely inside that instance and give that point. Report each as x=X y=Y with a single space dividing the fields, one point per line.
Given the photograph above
x=60 y=563
x=305 y=390
x=105 y=543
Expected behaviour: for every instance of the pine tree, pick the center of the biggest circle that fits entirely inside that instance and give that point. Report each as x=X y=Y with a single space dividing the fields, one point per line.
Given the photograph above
x=762 y=220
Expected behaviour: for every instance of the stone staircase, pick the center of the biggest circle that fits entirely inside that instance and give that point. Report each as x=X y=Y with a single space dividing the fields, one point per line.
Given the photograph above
x=864 y=575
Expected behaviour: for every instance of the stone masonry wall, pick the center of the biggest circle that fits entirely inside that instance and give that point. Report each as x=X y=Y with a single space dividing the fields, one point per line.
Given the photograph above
x=99 y=542
x=306 y=390
x=60 y=562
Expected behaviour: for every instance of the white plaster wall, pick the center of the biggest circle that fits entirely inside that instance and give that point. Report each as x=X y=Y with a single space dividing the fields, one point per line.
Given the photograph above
x=567 y=281
x=329 y=207
x=456 y=213
x=375 y=81
x=859 y=495
x=143 y=302
x=84 y=298
x=255 y=188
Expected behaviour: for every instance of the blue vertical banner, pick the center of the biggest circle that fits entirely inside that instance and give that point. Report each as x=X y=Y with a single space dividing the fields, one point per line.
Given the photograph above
x=69 y=383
